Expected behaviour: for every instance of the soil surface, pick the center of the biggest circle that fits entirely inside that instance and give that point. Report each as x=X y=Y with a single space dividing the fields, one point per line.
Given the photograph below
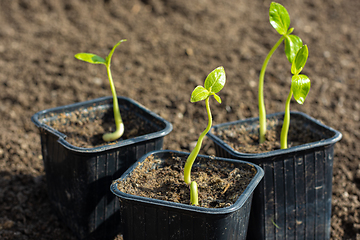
x=219 y=183
x=172 y=46
x=244 y=138
x=85 y=127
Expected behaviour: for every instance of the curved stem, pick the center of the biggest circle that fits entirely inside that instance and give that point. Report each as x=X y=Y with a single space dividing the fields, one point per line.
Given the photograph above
x=118 y=120
x=191 y=159
x=262 y=111
x=286 y=123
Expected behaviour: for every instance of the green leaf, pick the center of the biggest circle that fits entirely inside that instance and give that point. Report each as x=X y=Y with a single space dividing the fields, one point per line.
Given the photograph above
x=215 y=81
x=199 y=94
x=217 y=98
x=279 y=18
x=90 y=58
x=292 y=45
x=300 y=85
x=300 y=60
x=290 y=31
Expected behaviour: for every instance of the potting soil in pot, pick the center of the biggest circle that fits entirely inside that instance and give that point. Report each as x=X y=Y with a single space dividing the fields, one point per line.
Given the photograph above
x=85 y=128
x=243 y=140
x=220 y=184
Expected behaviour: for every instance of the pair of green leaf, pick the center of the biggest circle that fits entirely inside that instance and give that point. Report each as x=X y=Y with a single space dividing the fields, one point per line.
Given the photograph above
x=214 y=82
x=280 y=20
x=295 y=51
x=300 y=83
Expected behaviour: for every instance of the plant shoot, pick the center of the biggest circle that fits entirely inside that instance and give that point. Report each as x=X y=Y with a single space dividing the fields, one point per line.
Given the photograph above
x=280 y=20
x=94 y=59
x=300 y=87
x=214 y=82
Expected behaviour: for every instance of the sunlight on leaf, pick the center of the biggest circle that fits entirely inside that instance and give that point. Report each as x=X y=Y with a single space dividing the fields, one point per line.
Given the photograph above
x=90 y=58
x=300 y=85
x=279 y=18
x=292 y=45
x=199 y=94
x=215 y=81
x=300 y=60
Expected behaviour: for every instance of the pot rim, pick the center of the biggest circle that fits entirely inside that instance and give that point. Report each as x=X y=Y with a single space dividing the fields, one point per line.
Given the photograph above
x=292 y=150
x=101 y=101
x=184 y=207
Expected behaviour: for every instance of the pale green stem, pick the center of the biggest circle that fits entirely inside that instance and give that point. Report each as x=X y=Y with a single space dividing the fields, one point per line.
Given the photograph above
x=262 y=111
x=286 y=123
x=118 y=121
x=191 y=159
x=194 y=196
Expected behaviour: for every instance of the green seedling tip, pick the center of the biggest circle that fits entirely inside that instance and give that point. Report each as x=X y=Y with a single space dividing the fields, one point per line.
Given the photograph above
x=214 y=82
x=280 y=20
x=95 y=59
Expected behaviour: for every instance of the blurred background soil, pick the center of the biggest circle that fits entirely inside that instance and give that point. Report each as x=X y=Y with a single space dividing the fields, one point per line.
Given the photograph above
x=172 y=46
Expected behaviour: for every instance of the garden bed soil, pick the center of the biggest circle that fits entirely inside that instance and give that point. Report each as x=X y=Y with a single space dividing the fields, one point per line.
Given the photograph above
x=220 y=184
x=172 y=46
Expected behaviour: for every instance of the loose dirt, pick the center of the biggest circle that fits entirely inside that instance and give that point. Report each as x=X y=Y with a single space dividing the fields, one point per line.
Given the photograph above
x=220 y=184
x=172 y=46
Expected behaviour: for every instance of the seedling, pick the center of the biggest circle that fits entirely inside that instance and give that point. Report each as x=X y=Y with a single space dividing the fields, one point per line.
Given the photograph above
x=94 y=59
x=300 y=87
x=214 y=82
x=280 y=20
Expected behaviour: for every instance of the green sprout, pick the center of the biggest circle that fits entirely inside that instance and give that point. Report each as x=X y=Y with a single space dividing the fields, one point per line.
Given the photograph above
x=280 y=20
x=214 y=82
x=300 y=87
x=94 y=59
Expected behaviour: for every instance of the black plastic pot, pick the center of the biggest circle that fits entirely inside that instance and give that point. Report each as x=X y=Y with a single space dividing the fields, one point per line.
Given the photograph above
x=294 y=199
x=153 y=219
x=78 y=179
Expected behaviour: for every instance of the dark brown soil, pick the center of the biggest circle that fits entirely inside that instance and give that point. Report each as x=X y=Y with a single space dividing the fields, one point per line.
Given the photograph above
x=172 y=45
x=86 y=129
x=245 y=139
x=219 y=183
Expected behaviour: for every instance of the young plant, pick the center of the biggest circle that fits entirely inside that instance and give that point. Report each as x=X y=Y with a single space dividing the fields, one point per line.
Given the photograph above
x=300 y=87
x=94 y=59
x=214 y=82
x=280 y=20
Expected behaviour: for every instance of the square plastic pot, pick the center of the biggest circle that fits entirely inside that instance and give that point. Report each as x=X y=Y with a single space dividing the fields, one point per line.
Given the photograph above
x=78 y=179
x=293 y=201
x=153 y=219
